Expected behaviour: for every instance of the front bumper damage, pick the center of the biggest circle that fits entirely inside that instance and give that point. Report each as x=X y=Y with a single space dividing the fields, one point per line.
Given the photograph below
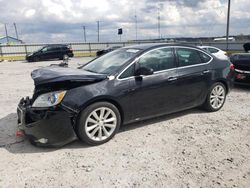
x=52 y=126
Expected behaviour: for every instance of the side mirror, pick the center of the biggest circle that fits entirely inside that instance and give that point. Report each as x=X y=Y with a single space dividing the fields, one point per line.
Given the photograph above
x=144 y=71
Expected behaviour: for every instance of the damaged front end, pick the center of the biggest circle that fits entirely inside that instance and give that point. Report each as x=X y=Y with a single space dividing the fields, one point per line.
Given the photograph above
x=46 y=126
x=43 y=118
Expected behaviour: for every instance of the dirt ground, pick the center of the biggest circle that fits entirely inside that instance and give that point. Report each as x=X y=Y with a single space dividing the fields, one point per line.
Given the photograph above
x=187 y=149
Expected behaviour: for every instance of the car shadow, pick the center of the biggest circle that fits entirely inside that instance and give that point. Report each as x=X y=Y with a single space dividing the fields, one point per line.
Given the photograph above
x=241 y=87
x=17 y=145
x=162 y=118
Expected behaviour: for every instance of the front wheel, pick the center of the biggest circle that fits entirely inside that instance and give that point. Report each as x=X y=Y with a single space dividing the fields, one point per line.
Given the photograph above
x=216 y=97
x=98 y=123
x=36 y=59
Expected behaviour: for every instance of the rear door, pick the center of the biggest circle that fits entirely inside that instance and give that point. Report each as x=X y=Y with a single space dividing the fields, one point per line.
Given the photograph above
x=49 y=52
x=64 y=51
x=194 y=76
x=56 y=52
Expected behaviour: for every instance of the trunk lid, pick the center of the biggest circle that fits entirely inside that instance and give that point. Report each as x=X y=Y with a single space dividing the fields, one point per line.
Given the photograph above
x=241 y=61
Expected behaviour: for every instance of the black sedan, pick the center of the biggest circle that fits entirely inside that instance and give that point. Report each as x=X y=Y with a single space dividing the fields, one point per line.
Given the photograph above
x=127 y=85
x=106 y=50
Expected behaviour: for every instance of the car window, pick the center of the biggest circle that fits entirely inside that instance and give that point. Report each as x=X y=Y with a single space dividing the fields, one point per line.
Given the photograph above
x=159 y=59
x=187 y=57
x=128 y=72
x=111 y=62
x=64 y=48
x=213 y=50
x=50 y=48
x=204 y=57
x=45 y=49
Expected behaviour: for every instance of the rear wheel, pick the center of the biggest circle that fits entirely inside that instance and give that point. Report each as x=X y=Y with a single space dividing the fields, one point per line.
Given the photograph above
x=98 y=123
x=65 y=57
x=216 y=97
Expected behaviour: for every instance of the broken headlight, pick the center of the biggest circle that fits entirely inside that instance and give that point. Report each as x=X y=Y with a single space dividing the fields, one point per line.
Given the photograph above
x=49 y=99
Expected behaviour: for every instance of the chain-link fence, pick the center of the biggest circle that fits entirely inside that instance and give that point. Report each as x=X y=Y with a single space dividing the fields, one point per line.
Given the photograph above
x=19 y=51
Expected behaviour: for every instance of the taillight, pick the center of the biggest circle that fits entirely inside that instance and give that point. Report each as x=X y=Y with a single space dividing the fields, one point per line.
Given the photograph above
x=232 y=67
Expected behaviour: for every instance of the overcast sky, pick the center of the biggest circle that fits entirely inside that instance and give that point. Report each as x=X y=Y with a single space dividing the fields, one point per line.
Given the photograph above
x=62 y=20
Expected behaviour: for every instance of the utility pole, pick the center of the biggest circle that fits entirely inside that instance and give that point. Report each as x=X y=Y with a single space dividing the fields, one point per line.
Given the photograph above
x=6 y=33
x=15 y=30
x=159 y=23
x=84 y=33
x=228 y=20
x=98 y=31
x=135 y=26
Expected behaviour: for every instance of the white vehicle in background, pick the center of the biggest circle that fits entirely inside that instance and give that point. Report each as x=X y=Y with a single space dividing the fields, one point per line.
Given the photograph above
x=215 y=51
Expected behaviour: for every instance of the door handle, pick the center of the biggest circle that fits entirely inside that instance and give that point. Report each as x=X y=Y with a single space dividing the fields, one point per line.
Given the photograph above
x=205 y=71
x=129 y=90
x=171 y=79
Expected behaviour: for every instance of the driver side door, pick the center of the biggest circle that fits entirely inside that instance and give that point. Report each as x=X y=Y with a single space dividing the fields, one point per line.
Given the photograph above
x=154 y=94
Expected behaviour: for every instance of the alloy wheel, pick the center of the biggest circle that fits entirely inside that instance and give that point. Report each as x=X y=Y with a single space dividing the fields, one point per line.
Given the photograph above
x=217 y=96
x=100 y=124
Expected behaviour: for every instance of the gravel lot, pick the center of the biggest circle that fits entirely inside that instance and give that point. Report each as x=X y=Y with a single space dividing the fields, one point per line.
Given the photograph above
x=187 y=149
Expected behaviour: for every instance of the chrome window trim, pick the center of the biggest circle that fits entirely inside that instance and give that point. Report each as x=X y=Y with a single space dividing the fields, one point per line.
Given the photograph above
x=157 y=72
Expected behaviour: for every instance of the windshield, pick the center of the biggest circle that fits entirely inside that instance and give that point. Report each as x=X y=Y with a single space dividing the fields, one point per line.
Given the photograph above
x=111 y=62
x=39 y=49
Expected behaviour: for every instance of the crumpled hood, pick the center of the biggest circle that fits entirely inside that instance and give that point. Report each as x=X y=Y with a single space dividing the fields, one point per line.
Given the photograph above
x=55 y=74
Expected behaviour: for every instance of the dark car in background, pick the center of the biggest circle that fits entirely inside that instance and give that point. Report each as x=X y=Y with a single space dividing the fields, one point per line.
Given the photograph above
x=241 y=62
x=106 y=50
x=127 y=85
x=58 y=51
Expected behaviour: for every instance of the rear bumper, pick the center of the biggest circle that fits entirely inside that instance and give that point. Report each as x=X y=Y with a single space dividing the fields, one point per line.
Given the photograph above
x=45 y=127
x=242 y=77
x=71 y=54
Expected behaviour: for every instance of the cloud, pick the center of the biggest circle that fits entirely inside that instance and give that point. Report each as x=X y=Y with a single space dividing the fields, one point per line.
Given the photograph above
x=62 y=20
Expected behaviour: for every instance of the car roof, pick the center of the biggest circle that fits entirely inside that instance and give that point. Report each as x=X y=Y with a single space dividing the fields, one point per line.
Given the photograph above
x=209 y=47
x=53 y=45
x=155 y=45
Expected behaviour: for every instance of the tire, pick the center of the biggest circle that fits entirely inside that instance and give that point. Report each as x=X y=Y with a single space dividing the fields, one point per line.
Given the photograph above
x=216 y=97
x=93 y=118
x=65 y=56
